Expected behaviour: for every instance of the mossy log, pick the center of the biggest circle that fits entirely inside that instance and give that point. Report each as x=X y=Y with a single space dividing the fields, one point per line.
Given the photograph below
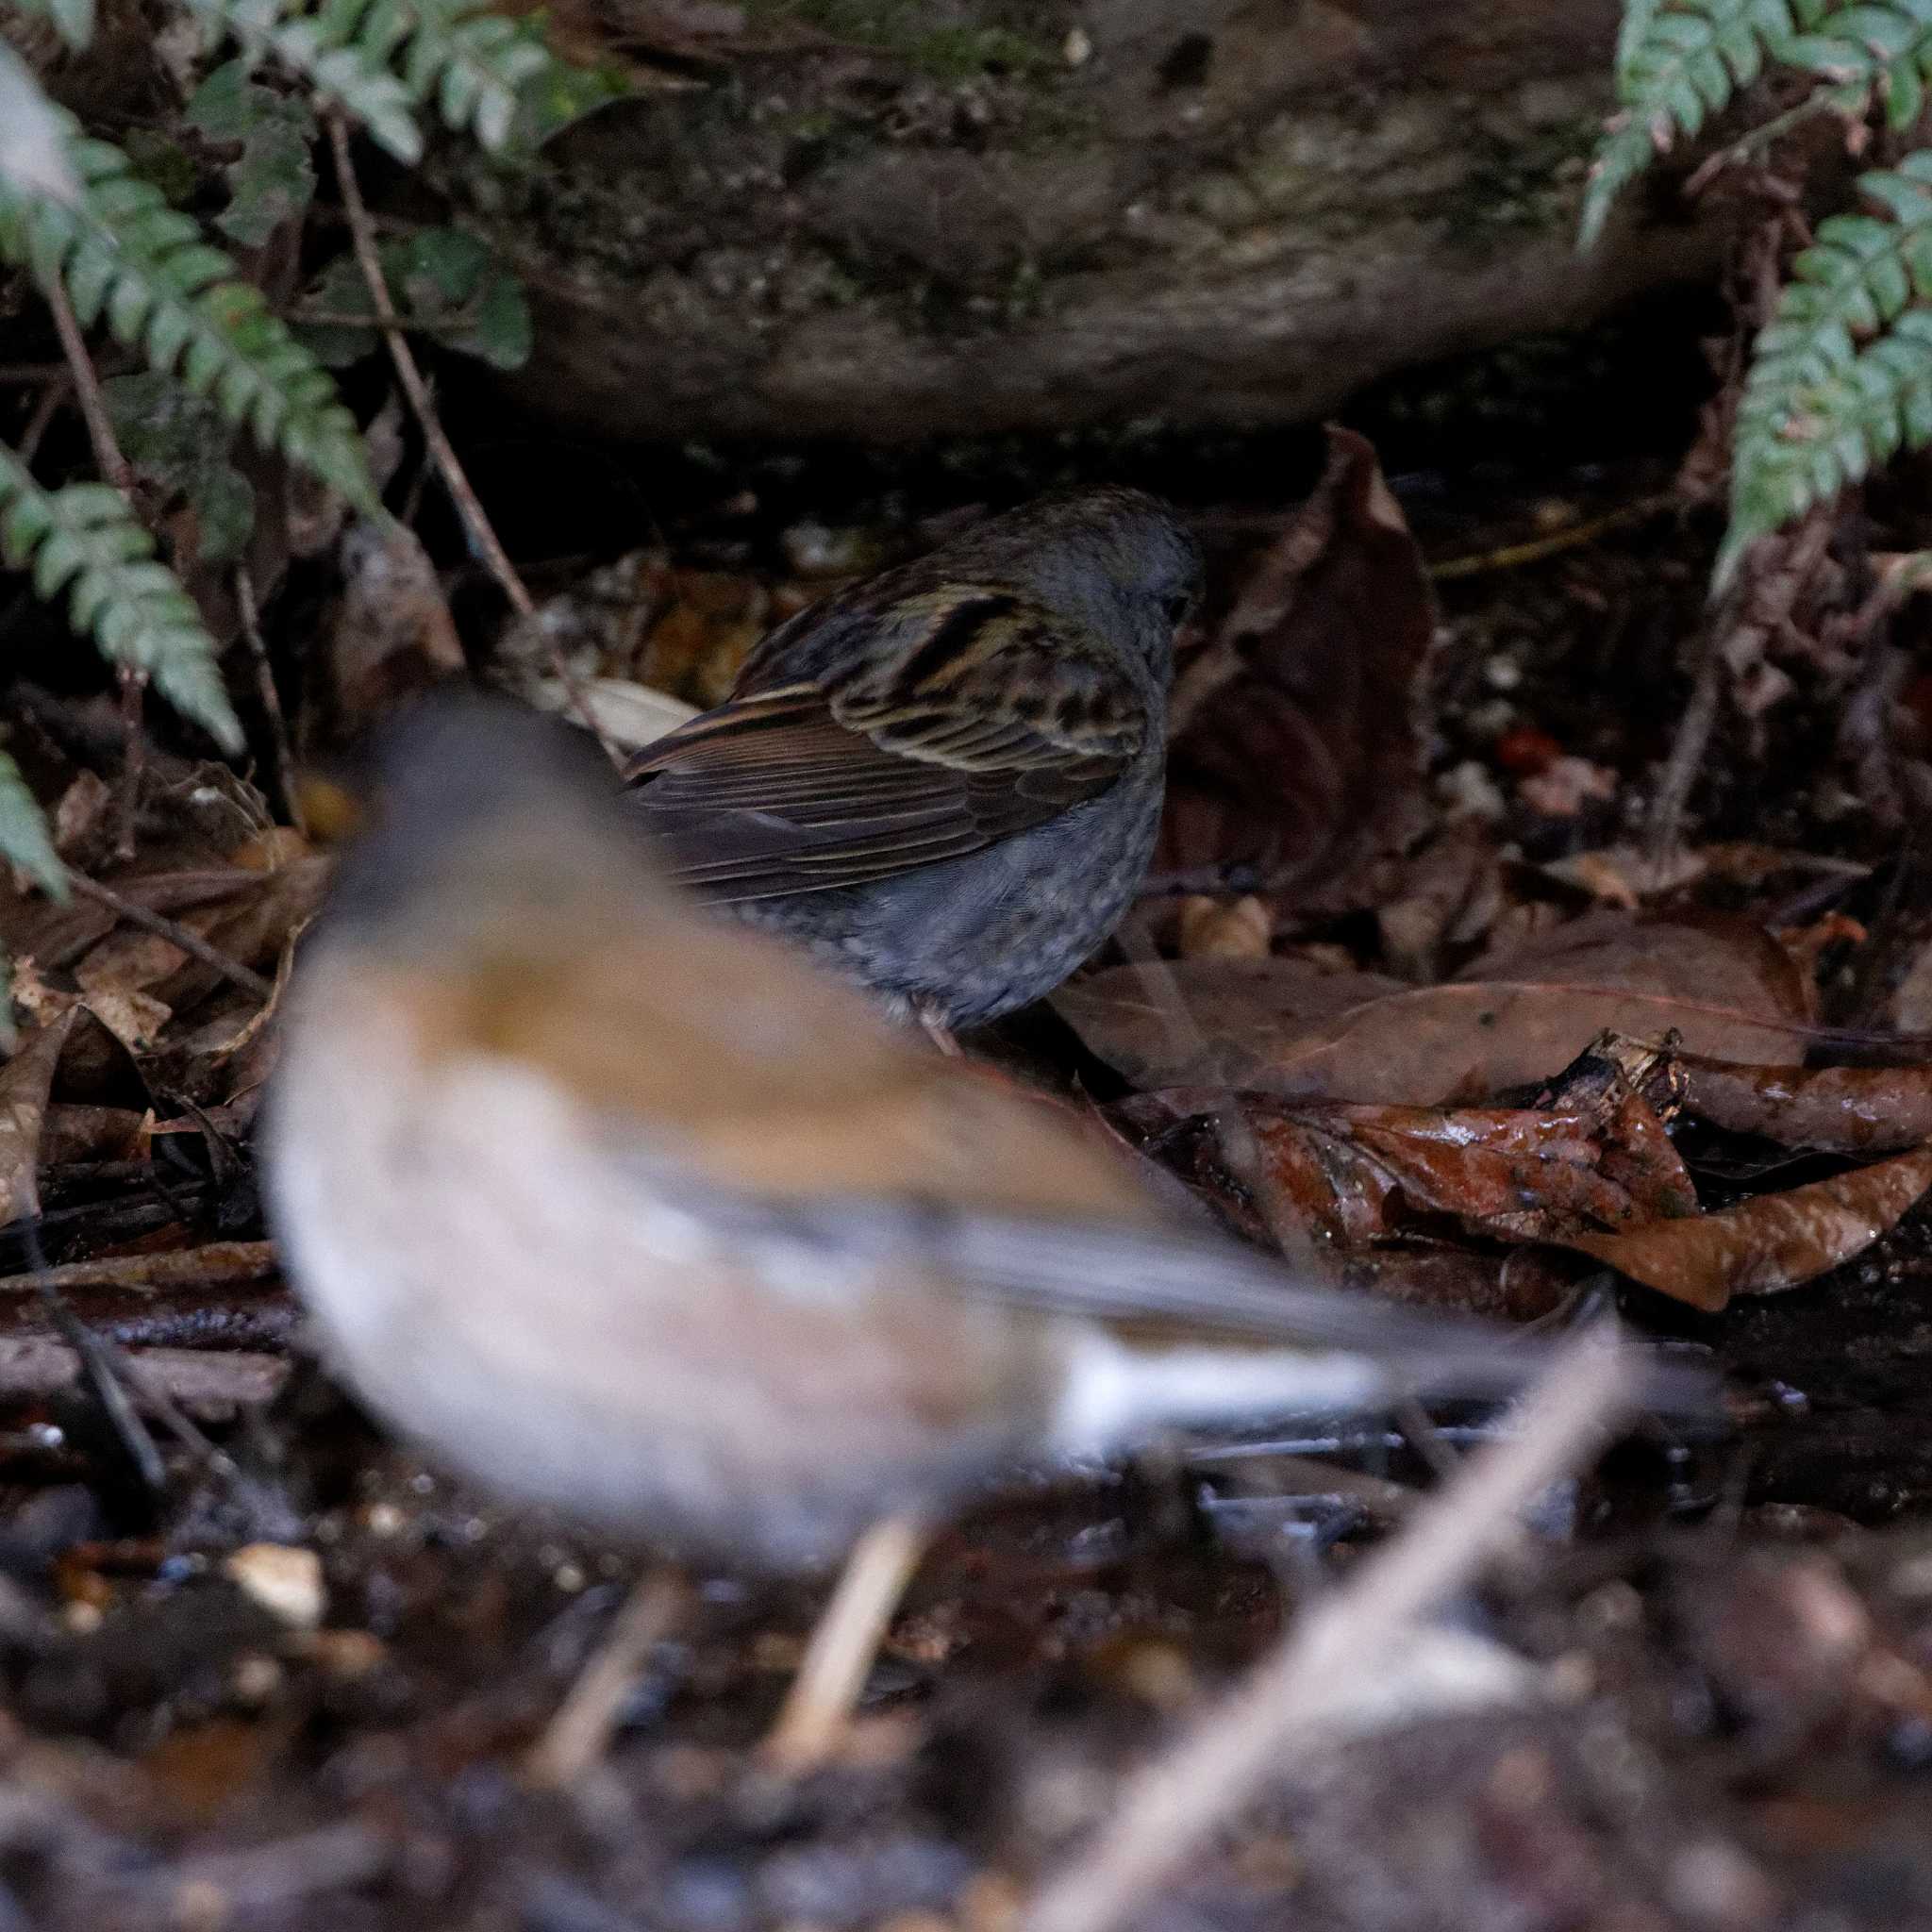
x=885 y=220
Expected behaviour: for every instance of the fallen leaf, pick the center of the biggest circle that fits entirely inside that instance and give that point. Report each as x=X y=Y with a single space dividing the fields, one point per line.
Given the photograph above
x=1281 y=1026
x=75 y=1131
x=133 y=1018
x=1296 y=746
x=1226 y=929
x=1774 y=1242
x=1825 y=1110
x=1357 y=1173
x=392 y=632
x=25 y=1082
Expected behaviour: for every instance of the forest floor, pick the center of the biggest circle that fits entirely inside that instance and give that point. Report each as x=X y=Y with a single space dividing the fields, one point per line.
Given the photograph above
x=1415 y=900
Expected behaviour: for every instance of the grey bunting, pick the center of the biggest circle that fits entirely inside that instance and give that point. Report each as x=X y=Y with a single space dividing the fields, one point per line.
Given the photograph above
x=946 y=781
x=632 y=1213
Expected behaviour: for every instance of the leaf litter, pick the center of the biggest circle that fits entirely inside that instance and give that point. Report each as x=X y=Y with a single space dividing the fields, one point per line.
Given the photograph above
x=1476 y=1074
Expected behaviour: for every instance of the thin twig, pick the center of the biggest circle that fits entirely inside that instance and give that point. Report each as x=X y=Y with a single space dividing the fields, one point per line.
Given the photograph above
x=133 y=758
x=1688 y=747
x=1234 y=1137
x=1336 y=1650
x=119 y=473
x=86 y=385
x=271 y=699
x=1536 y=549
x=468 y=507
x=579 y=1733
x=211 y=1264
x=176 y=934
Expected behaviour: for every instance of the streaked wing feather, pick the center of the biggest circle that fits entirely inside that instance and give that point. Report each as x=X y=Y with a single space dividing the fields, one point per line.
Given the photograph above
x=771 y=795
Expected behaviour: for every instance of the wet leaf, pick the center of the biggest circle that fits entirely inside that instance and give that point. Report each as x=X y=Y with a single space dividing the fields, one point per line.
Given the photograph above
x=1284 y=1027
x=1775 y=1241
x=1825 y=1110
x=1296 y=746
x=1357 y=1173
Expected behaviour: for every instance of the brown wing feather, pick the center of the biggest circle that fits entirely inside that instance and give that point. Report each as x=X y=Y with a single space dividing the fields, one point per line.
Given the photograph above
x=956 y=737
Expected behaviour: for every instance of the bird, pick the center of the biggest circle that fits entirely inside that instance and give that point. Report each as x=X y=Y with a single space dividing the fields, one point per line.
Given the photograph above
x=944 y=781
x=629 y=1212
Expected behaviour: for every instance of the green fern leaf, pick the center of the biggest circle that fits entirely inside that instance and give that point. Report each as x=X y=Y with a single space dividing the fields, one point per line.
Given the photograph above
x=24 y=839
x=83 y=539
x=476 y=63
x=1885 y=48
x=380 y=59
x=341 y=51
x=125 y=254
x=1841 y=375
x=1679 y=62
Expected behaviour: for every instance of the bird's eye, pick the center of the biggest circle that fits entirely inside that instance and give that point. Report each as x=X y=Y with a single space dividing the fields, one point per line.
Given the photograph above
x=1176 y=607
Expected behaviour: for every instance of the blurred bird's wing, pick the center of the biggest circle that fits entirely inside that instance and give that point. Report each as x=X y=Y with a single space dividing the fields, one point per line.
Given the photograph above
x=1165 y=1287
x=863 y=744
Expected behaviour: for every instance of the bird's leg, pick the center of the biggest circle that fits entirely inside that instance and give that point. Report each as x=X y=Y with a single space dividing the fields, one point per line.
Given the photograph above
x=843 y=1644
x=576 y=1737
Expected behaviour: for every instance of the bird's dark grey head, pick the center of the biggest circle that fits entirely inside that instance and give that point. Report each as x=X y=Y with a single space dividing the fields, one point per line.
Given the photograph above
x=1118 y=558
x=472 y=797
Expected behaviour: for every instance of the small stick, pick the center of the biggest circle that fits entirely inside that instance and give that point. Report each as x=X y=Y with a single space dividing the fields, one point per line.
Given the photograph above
x=100 y=429
x=133 y=758
x=34 y=1365
x=176 y=934
x=115 y=467
x=211 y=1264
x=844 y=1643
x=271 y=698
x=469 y=507
x=1687 y=746
x=580 y=1732
x=1332 y=1651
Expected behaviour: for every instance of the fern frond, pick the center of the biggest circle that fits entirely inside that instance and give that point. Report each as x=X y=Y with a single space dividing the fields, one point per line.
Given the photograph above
x=474 y=61
x=380 y=59
x=1884 y=48
x=341 y=51
x=24 y=839
x=84 y=539
x=124 y=253
x=1842 y=374
x=1679 y=62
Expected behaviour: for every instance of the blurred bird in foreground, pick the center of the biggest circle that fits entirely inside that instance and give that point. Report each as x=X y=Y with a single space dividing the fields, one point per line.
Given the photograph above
x=946 y=781
x=631 y=1212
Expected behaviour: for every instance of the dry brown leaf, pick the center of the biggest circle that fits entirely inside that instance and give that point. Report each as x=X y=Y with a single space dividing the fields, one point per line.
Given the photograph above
x=1226 y=929
x=1772 y=1242
x=82 y=1131
x=25 y=1082
x=392 y=632
x=1296 y=745
x=133 y=1018
x=1279 y=1026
